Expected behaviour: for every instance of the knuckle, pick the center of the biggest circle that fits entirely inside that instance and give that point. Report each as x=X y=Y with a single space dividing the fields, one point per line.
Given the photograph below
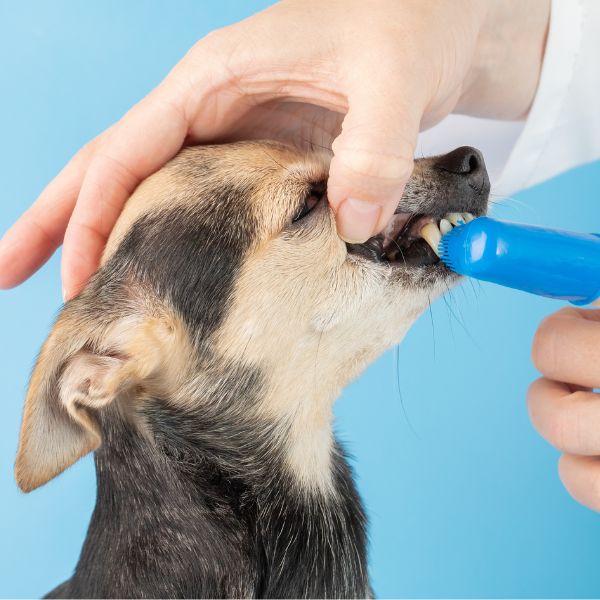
x=564 y=430
x=555 y=427
x=584 y=434
x=89 y=148
x=595 y=488
x=570 y=427
x=392 y=168
x=543 y=352
x=88 y=151
x=214 y=51
x=216 y=38
x=564 y=470
x=212 y=42
x=533 y=397
x=561 y=424
x=581 y=478
x=212 y=63
x=121 y=172
x=565 y=312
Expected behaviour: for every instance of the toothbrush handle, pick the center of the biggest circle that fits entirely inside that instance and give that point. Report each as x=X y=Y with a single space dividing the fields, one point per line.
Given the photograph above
x=547 y=262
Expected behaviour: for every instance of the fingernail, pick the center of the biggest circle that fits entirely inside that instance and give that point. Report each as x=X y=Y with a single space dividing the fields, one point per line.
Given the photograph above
x=357 y=220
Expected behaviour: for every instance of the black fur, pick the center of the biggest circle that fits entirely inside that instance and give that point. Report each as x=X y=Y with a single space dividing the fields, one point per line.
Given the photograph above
x=212 y=513
x=190 y=256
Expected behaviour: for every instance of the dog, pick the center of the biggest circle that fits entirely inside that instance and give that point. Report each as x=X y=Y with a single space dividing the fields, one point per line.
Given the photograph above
x=201 y=363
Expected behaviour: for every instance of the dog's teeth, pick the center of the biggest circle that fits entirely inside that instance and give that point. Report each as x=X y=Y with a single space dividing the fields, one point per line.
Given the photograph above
x=455 y=218
x=445 y=226
x=431 y=234
x=468 y=217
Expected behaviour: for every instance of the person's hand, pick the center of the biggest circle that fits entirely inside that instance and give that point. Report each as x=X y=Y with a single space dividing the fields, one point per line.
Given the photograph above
x=562 y=404
x=359 y=77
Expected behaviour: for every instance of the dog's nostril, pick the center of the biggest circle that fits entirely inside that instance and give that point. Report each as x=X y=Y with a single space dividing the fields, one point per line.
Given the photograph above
x=462 y=161
x=473 y=163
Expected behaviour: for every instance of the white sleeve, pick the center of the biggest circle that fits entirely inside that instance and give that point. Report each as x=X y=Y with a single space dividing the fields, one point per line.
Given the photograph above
x=563 y=126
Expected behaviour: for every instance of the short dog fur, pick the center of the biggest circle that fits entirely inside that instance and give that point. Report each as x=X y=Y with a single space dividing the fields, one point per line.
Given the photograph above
x=201 y=363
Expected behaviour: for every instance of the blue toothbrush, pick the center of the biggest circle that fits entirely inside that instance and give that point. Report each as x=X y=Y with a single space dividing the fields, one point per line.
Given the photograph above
x=548 y=262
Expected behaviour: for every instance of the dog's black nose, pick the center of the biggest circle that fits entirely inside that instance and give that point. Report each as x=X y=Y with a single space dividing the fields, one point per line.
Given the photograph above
x=466 y=162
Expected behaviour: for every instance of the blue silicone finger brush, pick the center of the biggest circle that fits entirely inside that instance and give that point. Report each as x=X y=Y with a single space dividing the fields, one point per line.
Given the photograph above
x=548 y=262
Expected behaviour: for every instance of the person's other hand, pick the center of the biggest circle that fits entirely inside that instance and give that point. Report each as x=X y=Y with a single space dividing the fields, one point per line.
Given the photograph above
x=562 y=404
x=359 y=77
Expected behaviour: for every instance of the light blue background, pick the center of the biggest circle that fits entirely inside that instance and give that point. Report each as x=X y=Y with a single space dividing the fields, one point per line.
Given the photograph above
x=463 y=496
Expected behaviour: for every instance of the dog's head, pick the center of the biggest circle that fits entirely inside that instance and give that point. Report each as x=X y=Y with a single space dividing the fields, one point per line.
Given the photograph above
x=225 y=284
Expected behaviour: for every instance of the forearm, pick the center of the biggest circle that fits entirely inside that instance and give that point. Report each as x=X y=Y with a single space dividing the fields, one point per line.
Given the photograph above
x=553 y=83
x=503 y=78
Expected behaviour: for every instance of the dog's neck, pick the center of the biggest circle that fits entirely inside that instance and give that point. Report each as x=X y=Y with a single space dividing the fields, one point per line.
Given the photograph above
x=210 y=509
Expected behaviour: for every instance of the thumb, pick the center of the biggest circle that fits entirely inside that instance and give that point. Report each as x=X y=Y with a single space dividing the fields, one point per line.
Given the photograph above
x=372 y=161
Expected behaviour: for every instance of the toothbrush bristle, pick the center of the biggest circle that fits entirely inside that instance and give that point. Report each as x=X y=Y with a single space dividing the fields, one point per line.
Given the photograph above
x=444 y=249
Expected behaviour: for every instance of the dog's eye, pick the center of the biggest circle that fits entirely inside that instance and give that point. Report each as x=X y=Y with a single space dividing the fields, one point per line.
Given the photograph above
x=308 y=204
x=311 y=200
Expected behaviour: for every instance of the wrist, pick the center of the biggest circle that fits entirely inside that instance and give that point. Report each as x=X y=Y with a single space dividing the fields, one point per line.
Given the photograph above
x=507 y=62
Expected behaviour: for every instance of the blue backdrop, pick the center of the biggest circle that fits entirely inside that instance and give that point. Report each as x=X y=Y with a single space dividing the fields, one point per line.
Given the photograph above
x=462 y=495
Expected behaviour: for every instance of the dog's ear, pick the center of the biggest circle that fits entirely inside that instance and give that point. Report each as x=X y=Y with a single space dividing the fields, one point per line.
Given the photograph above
x=82 y=368
x=59 y=425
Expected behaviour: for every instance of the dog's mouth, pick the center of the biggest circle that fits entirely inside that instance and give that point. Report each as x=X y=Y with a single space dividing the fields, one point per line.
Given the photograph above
x=454 y=187
x=410 y=240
